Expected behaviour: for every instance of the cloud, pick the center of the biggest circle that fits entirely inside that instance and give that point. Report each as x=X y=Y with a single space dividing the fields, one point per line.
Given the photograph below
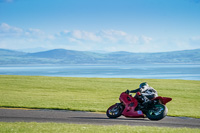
x=84 y=35
x=74 y=39
x=146 y=39
x=116 y=36
x=34 y=33
x=194 y=41
x=78 y=35
x=7 y=30
x=113 y=35
x=103 y=36
x=12 y=37
x=195 y=38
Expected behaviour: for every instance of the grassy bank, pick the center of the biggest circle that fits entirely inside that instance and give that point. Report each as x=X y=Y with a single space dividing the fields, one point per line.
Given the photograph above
x=22 y=127
x=93 y=94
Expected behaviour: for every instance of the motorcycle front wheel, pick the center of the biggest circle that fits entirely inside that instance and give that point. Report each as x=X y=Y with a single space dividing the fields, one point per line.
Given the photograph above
x=157 y=112
x=115 y=110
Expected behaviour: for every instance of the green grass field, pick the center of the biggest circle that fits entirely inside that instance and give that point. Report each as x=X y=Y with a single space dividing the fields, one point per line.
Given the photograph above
x=93 y=94
x=76 y=128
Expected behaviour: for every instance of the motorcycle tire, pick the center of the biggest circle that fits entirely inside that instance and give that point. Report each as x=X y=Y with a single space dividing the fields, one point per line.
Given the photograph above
x=157 y=112
x=115 y=110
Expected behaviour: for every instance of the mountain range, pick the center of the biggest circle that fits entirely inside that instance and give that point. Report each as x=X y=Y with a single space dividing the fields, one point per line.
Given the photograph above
x=63 y=56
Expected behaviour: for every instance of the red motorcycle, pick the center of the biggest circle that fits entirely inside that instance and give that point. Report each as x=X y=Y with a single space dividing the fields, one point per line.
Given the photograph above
x=132 y=107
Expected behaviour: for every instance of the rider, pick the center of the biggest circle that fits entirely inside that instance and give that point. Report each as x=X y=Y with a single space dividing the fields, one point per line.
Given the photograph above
x=145 y=92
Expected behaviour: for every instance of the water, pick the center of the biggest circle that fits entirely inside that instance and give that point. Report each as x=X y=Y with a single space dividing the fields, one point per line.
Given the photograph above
x=153 y=71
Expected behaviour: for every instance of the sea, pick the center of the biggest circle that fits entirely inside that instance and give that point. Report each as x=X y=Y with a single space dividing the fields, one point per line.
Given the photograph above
x=147 y=71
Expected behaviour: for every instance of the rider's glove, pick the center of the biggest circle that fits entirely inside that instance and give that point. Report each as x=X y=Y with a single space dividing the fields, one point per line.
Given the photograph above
x=127 y=91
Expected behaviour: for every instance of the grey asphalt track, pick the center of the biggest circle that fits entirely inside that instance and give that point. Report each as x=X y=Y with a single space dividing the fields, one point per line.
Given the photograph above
x=80 y=117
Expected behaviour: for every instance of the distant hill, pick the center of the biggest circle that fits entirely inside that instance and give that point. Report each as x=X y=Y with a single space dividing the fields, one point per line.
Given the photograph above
x=63 y=56
x=7 y=52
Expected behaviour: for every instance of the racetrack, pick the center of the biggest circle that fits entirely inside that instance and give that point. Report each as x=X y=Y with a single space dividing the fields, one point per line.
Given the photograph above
x=80 y=117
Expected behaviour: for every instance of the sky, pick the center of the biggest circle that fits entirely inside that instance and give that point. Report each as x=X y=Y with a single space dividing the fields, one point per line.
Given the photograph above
x=100 y=25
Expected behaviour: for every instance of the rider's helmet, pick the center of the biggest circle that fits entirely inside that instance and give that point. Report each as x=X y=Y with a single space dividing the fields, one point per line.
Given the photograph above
x=143 y=85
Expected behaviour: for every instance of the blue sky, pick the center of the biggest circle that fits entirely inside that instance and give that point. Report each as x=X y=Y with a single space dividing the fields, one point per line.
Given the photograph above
x=100 y=25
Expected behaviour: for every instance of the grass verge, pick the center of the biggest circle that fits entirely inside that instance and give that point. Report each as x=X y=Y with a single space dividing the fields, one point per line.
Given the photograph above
x=22 y=127
x=93 y=94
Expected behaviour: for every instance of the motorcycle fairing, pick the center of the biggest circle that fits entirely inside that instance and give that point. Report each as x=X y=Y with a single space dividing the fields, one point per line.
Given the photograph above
x=163 y=100
x=130 y=105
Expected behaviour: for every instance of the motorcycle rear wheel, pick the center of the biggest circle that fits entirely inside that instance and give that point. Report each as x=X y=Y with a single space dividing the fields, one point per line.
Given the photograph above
x=115 y=110
x=157 y=112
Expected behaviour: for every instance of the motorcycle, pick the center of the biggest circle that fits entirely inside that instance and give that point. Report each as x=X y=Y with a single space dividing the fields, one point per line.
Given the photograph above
x=132 y=107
